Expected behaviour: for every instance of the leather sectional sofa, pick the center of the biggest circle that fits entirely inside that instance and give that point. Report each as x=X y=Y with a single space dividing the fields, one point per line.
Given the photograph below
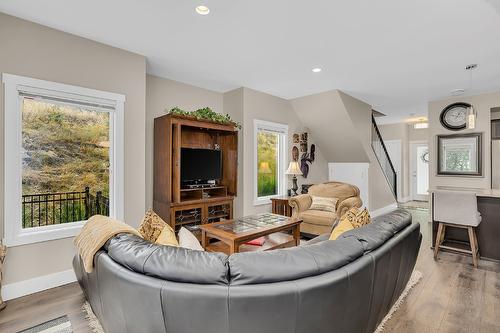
x=346 y=285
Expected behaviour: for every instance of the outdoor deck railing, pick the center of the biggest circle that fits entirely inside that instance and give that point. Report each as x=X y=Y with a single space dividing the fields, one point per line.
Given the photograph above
x=63 y=207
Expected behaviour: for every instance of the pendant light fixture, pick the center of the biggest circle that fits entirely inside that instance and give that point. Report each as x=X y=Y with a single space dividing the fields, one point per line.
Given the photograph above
x=471 y=116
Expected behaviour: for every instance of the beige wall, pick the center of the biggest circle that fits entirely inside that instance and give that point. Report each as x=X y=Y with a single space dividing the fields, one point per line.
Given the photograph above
x=233 y=105
x=341 y=125
x=258 y=105
x=325 y=115
x=360 y=113
x=161 y=96
x=243 y=105
x=32 y=50
x=482 y=104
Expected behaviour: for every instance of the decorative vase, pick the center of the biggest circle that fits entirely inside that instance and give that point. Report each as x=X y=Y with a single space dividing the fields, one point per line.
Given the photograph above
x=3 y=252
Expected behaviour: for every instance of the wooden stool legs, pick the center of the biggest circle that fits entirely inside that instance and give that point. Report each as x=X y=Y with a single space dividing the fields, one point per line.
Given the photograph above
x=439 y=239
x=474 y=246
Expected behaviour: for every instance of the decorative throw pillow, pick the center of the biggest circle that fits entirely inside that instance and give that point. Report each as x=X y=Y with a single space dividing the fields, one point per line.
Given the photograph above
x=323 y=203
x=167 y=237
x=343 y=226
x=351 y=220
x=362 y=218
x=151 y=226
x=188 y=240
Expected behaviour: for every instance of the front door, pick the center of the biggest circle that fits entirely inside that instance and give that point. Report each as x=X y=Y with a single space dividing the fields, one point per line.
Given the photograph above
x=419 y=171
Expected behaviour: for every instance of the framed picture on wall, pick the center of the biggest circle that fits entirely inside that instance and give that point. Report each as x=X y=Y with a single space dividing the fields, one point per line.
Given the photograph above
x=460 y=155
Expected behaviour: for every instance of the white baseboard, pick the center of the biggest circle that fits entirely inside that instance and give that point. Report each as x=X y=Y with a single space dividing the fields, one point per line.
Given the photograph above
x=34 y=285
x=384 y=210
x=405 y=199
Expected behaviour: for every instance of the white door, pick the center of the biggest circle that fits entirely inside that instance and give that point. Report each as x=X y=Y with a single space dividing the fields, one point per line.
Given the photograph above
x=419 y=164
x=394 y=150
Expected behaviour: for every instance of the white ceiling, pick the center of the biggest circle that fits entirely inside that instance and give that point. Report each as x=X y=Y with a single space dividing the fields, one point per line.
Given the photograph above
x=394 y=54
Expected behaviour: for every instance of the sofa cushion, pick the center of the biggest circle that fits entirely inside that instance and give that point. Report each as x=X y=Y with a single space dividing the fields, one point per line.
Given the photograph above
x=292 y=263
x=380 y=229
x=167 y=237
x=342 y=227
x=167 y=262
x=318 y=217
x=151 y=226
x=323 y=204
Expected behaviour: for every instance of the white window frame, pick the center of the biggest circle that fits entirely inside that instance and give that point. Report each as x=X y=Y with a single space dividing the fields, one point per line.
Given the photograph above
x=14 y=234
x=282 y=130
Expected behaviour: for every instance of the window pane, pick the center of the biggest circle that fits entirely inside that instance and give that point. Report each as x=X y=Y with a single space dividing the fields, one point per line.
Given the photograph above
x=267 y=163
x=65 y=163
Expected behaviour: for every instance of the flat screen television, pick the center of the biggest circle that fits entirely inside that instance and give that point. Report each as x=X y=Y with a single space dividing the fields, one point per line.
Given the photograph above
x=200 y=165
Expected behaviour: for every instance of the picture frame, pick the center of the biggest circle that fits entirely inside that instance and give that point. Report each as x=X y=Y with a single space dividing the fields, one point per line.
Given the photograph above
x=296 y=138
x=460 y=155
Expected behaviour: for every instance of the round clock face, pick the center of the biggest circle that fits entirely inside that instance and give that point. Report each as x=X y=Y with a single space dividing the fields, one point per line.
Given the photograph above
x=454 y=116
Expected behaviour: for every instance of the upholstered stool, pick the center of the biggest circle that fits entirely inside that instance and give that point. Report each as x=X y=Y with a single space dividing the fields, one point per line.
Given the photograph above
x=458 y=210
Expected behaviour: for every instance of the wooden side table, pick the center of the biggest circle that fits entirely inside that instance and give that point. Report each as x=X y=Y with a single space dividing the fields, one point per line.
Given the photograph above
x=281 y=206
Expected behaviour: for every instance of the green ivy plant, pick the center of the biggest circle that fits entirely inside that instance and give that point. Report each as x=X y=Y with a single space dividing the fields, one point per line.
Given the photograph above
x=205 y=114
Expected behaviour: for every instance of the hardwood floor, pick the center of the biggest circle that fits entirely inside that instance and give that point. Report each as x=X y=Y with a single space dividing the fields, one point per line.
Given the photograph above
x=31 y=310
x=452 y=296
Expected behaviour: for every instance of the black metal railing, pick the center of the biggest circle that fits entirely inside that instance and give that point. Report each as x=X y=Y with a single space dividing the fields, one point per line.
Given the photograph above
x=383 y=158
x=62 y=207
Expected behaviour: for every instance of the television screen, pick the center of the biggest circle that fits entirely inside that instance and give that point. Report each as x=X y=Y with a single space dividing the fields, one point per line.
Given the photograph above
x=200 y=164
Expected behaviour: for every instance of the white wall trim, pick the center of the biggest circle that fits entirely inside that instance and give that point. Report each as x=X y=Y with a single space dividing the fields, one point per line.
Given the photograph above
x=14 y=234
x=384 y=210
x=405 y=199
x=282 y=130
x=34 y=285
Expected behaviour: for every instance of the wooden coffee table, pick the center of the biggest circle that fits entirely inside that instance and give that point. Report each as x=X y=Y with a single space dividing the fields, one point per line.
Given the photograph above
x=233 y=234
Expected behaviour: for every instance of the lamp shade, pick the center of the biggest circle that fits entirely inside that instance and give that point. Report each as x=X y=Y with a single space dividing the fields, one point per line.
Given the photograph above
x=293 y=169
x=264 y=167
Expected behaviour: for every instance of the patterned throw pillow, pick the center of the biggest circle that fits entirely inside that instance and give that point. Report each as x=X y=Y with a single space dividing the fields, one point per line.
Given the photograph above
x=151 y=226
x=362 y=218
x=351 y=220
x=323 y=203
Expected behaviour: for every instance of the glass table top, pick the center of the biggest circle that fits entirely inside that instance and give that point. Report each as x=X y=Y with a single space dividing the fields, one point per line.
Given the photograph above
x=253 y=222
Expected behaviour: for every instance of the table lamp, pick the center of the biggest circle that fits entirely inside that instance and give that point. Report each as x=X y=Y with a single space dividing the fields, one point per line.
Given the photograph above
x=294 y=169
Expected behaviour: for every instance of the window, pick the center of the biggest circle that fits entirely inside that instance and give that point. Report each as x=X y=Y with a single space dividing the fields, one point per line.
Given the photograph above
x=63 y=158
x=271 y=140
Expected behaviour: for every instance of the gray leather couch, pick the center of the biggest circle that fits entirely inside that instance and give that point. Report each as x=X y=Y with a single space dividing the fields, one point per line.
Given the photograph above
x=346 y=285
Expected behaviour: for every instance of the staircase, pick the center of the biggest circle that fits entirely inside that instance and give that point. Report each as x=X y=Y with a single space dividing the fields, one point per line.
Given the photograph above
x=383 y=158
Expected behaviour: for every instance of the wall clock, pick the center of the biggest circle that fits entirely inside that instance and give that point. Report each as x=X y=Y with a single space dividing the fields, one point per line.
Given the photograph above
x=454 y=116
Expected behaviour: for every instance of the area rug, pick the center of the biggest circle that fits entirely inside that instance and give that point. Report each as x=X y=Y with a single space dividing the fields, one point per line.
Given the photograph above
x=94 y=324
x=416 y=276
x=58 y=325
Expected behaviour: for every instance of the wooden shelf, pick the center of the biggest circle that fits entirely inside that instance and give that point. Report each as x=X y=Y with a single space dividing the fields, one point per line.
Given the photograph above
x=198 y=201
x=171 y=134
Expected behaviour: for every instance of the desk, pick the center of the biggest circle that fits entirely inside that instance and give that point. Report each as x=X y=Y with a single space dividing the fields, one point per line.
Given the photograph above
x=488 y=231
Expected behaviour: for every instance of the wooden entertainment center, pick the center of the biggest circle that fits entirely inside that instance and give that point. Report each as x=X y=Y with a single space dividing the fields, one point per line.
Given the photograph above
x=191 y=207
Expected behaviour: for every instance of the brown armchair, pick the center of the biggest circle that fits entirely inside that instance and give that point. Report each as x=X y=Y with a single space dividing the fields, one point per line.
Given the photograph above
x=316 y=222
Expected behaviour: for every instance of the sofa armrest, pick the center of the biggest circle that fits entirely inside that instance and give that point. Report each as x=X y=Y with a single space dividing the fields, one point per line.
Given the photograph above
x=347 y=204
x=299 y=204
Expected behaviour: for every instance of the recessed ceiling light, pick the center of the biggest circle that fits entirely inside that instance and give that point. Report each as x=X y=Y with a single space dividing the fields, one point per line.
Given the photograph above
x=202 y=10
x=316 y=70
x=457 y=92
